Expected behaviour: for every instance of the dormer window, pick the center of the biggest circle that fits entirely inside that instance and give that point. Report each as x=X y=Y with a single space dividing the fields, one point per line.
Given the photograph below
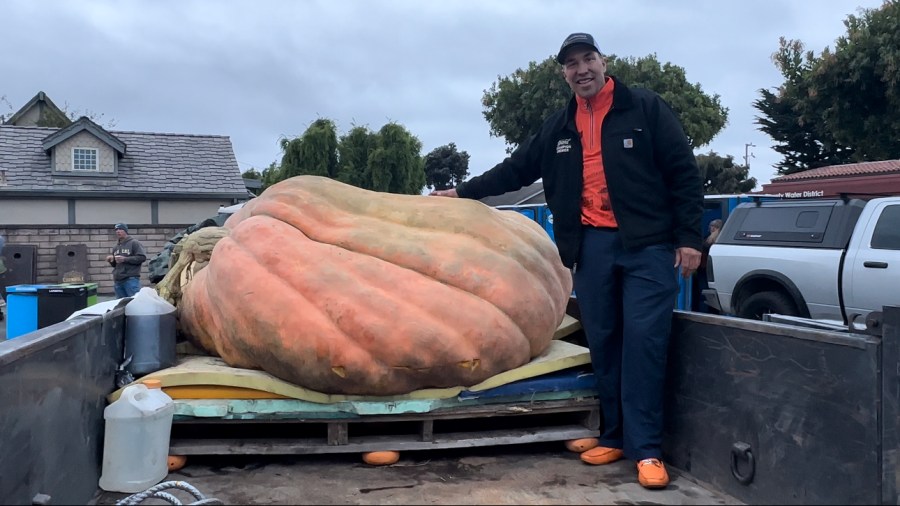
x=83 y=150
x=84 y=159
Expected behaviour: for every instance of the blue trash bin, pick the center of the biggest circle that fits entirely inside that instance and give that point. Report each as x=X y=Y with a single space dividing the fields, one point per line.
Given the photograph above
x=21 y=309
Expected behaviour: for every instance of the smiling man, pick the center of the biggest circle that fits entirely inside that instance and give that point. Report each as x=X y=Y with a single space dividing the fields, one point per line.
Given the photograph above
x=622 y=183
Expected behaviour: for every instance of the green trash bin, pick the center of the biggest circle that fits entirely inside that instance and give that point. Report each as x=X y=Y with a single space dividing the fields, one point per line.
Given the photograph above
x=58 y=302
x=91 y=291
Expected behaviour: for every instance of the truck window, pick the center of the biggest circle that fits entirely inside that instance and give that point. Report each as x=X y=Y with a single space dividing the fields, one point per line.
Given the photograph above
x=794 y=224
x=887 y=230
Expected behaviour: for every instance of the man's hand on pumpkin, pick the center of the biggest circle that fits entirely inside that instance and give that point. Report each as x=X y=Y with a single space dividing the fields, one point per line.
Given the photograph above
x=444 y=193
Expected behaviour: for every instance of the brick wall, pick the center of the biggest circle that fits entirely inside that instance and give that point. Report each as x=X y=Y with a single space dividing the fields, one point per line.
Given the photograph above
x=99 y=241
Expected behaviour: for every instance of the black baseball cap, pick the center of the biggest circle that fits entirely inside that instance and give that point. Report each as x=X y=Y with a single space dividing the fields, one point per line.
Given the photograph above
x=574 y=40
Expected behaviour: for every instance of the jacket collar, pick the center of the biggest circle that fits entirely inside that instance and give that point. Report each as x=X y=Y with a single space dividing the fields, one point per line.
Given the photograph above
x=621 y=100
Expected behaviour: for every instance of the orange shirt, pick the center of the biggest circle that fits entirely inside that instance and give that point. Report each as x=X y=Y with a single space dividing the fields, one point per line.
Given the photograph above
x=596 y=209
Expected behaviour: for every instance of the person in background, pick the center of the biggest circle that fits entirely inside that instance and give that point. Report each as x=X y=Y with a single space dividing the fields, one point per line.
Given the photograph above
x=127 y=256
x=2 y=265
x=701 y=281
x=2 y=270
x=624 y=188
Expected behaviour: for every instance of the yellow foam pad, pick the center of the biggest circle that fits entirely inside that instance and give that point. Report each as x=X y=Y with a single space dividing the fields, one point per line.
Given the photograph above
x=209 y=377
x=568 y=326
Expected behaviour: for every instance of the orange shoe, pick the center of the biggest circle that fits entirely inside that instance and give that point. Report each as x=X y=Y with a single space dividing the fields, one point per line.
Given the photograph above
x=652 y=473
x=601 y=455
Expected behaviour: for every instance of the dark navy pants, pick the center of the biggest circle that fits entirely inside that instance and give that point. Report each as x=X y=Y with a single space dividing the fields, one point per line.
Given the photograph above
x=626 y=300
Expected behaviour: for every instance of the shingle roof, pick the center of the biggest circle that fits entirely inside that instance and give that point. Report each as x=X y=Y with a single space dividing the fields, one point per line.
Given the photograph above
x=182 y=164
x=849 y=169
x=84 y=124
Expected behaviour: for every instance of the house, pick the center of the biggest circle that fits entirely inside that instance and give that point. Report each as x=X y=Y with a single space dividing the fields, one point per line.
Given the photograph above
x=865 y=179
x=39 y=111
x=63 y=187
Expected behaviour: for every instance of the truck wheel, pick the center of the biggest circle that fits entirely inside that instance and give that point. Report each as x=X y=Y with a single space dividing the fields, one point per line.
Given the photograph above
x=762 y=303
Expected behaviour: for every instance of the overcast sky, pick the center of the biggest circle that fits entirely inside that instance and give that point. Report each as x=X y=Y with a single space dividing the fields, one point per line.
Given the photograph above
x=260 y=70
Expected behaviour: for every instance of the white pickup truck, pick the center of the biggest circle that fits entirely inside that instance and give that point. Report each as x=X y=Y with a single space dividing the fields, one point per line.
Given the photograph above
x=835 y=260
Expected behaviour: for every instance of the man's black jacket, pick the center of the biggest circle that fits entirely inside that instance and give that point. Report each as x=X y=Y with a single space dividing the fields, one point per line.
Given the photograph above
x=652 y=175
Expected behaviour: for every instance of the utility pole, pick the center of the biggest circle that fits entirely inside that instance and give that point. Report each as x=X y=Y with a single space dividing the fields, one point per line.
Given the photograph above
x=748 y=154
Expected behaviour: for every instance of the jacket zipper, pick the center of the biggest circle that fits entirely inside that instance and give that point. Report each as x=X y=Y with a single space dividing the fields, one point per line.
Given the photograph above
x=587 y=105
x=590 y=110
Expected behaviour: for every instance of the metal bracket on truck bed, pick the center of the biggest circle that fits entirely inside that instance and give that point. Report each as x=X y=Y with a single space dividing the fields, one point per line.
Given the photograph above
x=871 y=327
x=874 y=321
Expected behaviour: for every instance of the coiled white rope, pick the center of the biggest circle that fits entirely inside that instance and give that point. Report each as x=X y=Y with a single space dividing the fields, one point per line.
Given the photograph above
x=158 y=492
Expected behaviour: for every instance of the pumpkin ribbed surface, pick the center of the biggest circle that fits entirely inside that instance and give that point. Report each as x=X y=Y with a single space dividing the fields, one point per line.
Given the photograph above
x=345 y=290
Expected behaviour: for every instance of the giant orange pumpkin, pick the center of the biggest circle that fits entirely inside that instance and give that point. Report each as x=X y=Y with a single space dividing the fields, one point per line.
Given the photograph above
x=344 y=290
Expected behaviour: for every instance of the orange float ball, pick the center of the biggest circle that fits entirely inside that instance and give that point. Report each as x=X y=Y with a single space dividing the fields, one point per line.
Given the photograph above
x=582 y=445
x=176 y=462
x=385 y=458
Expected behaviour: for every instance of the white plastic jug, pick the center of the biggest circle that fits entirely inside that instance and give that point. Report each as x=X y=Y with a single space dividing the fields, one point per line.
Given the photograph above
x=136 y=442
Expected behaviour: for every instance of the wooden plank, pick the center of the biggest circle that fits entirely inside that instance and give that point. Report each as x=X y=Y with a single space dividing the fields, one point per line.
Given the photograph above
x=470 y=411
x=338 y=433
x=427 y=432
x=592 y=419
x=244 y=408
x=375 y=443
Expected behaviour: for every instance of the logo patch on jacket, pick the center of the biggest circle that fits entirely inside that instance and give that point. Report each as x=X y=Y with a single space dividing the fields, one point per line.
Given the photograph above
x=628 y=143
x=563 y=146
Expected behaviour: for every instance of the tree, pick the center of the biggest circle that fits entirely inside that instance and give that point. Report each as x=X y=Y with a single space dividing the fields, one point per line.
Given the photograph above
x=721 y=175
x=313 y=153
x=800 y=134
x=445 y=167
x=354 y=150
x=843 y=105
x=396 y=164
x=516 y=105
x=96 y=117
x=270 y=175
x=856 y=88
x=701 y=115
x=4 y=102
x=387 y=161
x=252 y=173
x=266 y=178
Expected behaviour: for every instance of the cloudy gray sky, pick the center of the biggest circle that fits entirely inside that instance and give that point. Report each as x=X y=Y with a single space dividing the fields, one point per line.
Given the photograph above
x=260 y=70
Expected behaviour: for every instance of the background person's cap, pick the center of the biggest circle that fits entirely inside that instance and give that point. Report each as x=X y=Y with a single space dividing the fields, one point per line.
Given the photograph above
x=121 y=226
x=574 y=40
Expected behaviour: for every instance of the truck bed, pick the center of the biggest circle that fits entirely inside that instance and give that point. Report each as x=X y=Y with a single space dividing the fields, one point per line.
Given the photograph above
x=766 y=413
x=540 y=473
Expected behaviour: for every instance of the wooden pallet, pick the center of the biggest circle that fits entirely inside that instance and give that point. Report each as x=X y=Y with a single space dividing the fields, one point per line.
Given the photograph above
x=501 y=423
